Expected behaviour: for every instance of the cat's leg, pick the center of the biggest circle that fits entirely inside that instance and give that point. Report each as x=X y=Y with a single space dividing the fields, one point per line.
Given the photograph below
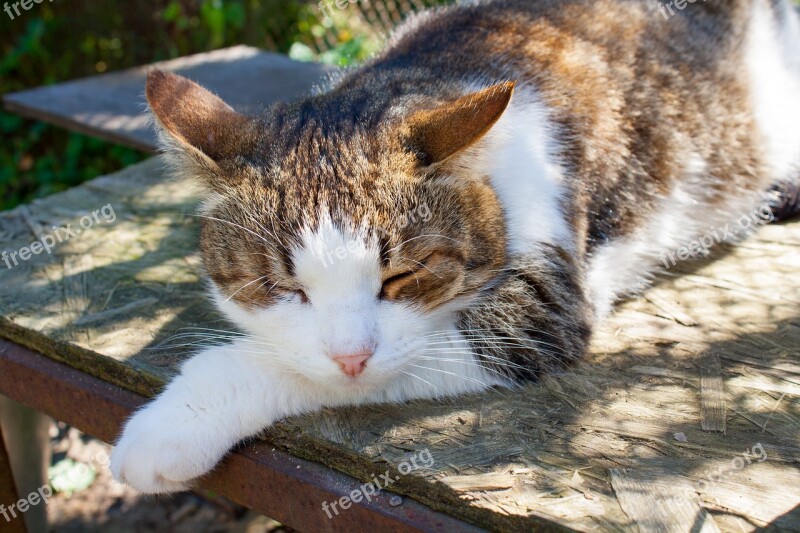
x=773 y=60
x=538 y=319
x=785 y=194
x=222 y=396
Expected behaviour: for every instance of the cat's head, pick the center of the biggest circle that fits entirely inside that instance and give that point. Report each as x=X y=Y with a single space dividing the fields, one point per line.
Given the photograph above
x=343 y=238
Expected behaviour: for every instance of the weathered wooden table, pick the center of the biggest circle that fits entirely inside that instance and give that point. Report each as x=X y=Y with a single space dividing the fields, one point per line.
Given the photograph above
x=686 y=416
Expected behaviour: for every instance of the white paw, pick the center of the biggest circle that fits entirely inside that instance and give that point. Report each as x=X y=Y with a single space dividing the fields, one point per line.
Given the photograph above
x=164 y=447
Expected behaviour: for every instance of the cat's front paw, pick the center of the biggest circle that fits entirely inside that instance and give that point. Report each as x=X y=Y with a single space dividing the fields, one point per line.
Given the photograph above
x=163 y=449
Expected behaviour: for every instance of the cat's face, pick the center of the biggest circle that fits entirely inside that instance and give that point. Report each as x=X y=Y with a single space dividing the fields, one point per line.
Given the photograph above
x=344 y=249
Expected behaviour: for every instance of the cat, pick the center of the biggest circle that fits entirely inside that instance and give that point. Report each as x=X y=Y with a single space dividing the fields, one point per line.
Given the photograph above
x=557 y=150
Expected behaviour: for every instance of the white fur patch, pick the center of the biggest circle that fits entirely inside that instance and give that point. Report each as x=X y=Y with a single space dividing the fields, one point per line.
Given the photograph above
x=625 y=265
x=773 y=62
x=522 y=163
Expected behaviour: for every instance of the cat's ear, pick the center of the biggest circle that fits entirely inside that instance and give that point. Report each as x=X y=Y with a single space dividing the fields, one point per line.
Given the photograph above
x=195 y=125
x=440 y=133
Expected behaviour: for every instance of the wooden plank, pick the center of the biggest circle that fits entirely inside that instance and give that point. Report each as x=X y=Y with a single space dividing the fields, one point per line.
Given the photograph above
x=670 y=310
x=712 y=397
x=658 y=507
x=112 y=106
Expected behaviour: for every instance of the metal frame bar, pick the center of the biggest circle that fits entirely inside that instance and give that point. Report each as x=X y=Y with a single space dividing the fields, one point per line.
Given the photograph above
x=258 y=476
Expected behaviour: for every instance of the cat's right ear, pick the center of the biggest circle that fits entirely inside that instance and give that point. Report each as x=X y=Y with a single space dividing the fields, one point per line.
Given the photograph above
x=196 y=128
x=437 y=134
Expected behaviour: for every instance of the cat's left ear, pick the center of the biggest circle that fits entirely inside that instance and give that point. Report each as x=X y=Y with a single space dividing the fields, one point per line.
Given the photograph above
x=196 y=126
x=438 y=134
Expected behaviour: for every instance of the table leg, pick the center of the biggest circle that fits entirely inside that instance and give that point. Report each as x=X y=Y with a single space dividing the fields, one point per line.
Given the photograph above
x=8 y=491
x=26 y=450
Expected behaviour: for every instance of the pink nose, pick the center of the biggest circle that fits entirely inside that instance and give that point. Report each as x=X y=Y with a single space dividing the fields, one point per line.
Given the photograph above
x=353 y=364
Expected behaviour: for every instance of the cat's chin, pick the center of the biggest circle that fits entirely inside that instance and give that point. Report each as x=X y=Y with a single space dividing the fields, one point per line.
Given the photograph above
x=347 y=388
x=359 y=385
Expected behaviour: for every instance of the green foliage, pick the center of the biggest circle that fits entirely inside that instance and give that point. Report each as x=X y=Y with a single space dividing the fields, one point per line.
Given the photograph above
x=63 y=40
x=344 y=54
x=37 y=159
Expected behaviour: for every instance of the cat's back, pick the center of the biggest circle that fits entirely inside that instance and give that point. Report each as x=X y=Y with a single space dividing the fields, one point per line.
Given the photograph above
x=493 y=34
x=650 y=88
x=640 y=95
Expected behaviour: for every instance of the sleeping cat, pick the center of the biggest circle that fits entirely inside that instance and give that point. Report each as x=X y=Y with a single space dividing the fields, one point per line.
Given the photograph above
x=557 y=150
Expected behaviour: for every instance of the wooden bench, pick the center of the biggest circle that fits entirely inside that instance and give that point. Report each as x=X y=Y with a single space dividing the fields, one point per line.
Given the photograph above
x=661 y=427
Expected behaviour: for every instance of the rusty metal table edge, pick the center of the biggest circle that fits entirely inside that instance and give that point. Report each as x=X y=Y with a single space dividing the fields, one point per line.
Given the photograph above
x=256 y=475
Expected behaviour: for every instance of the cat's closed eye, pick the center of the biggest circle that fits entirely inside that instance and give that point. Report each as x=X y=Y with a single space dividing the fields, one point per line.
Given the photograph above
x=416 y=279
x=276 y=291
x=293 y=295
x=391 y=286
x=299 y=293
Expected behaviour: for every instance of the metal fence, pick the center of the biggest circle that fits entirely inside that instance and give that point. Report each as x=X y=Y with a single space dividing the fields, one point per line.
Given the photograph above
x=371 y=19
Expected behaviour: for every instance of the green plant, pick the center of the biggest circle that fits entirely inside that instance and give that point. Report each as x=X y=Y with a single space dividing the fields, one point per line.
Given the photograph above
x=60 y=41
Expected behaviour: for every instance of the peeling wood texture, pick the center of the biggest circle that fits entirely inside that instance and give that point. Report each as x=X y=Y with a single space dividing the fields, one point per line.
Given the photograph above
x=109 y=300
x=115 y=111
x=712 y=397
x=658 y=503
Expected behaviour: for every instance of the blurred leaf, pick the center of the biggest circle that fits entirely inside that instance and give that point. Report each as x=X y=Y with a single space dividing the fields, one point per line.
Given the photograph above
x=67 y=476
x=347 y=53
x=235 y=15
x=301 y=52
x=213 y=16
x=172 y=11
